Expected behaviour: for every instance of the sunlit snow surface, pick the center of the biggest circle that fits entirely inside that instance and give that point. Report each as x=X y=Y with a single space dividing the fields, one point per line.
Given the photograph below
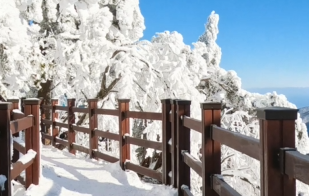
x=65 y=174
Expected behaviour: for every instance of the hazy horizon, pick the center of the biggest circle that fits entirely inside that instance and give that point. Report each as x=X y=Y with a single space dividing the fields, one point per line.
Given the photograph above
x=296 y=95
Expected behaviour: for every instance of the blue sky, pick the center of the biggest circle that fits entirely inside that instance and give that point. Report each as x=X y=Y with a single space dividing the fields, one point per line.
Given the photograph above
x=265 y=41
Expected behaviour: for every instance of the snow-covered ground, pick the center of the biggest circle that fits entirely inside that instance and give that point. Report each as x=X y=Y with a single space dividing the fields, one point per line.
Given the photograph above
x=64 y=174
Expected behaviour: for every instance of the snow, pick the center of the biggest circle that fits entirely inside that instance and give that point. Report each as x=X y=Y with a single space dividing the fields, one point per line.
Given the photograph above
x=19 y=140
x=65 y=174
x=27 y=157
x=183 y=187
x=2 y=181
x=170 y=142
x=17 y=111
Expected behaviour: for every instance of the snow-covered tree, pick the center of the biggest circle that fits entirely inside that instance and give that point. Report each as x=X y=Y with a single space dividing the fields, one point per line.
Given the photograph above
x=18 y=56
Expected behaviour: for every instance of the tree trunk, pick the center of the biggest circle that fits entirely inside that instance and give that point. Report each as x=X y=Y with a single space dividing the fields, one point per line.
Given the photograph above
x=45 y=93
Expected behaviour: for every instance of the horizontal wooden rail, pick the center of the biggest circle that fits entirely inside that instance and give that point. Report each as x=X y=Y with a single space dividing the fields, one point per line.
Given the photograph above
x=186 y=191
x=80 y=148
x=106 y=112
x=143 y=143
x=21 y=124
x=46 y=136
x=55 y=139
x=144 y=171
x=61 y=141
x=105 y=134
x=192 y=123
x=192 y=162
x=80 y=110
x=144 y=115
x=23 y=163
x=81 y=129
x=19 y=147
x=21 y=180
x=61 y=108
x=242 y=143
x=47 y=122
x=221 y=187
x=17 y=114
x=296 y=165
x=60 y=124
x=104 y=156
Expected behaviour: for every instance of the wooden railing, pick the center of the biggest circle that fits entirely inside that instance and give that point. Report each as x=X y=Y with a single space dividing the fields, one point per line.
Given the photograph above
x=122 y=137
x=280 y=163
x=12 y=121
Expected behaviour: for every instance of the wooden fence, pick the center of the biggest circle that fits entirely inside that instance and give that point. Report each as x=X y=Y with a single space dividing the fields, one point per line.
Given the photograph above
x=12 y=121
x=280 y=163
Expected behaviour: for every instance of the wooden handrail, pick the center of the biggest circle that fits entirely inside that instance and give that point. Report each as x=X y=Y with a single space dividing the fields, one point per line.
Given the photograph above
x=295 y=165
x=21 y=124
x=221 y=187
x=143 y=143
x=144 y=115
x=23 y=163
x=242 y=143
x=192 y=123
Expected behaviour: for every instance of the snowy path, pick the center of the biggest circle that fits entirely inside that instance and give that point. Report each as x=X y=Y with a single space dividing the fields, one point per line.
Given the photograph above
x=64 y=174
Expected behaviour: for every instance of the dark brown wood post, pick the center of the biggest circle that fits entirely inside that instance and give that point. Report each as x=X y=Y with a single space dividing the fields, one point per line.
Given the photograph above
x=183 y=145
x=71 y=121
x=15 y=103
x=174 y=142
x=34 y=105
x=166 y=137
x=28 y=145
x=55 y=129
x=211 y=150
x=5 y=147
x=277 y=130
x=93 y=124
x=124 y=128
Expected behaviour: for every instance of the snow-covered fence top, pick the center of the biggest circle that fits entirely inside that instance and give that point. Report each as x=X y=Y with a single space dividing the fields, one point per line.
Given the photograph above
x=280 y=166
x=12 y=121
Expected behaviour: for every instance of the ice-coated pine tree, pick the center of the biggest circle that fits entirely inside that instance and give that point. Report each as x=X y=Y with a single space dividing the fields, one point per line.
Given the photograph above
x=93 y=49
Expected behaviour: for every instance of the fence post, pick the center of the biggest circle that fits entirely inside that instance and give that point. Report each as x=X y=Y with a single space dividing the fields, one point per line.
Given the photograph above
x=211 y=150
x=93 y=124
x=277 y=130
x=5 y=147
x=174 y=143
x=183 y=144
x=71 y=121
x=33 y=105
x=124 y=128
x=55 y=130
x=166 y=137
x=15 y=103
